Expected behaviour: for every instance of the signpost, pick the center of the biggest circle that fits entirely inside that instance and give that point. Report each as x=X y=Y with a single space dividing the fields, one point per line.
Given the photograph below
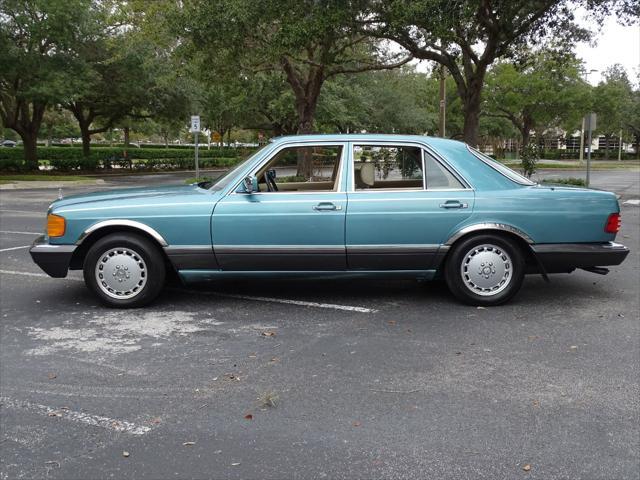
x=195 y=129
x=590 y=125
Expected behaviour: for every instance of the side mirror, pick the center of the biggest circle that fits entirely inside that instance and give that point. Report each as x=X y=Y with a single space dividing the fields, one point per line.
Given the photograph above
x=250 y=184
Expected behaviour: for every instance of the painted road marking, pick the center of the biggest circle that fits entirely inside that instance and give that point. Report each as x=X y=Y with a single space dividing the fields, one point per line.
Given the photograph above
x=33 y=274
x=301 y=303
x=80 y=417
x=19 y=233
x=23 y=212
x=633 y=201
x=13 y=248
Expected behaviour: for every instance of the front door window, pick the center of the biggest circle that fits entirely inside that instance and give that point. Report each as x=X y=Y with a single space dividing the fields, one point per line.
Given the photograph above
x=302 y=169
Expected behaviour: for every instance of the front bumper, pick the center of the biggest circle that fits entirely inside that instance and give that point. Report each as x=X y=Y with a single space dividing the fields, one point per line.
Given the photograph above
x=53 y=259
x=565 y=257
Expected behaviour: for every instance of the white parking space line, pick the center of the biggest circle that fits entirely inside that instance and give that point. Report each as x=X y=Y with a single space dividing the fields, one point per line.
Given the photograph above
x=23 y=212
x=19 y=233
x=13 y=248
x=301 y=303
x=33 y=274
x=80 y=417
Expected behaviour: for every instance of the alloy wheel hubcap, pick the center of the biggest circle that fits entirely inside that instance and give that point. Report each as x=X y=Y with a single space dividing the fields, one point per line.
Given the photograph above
x=486 y=270
x=121 y=273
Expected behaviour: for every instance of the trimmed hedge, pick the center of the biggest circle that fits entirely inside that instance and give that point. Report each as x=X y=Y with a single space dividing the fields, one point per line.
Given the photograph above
x=177 y=163
x=65 y=159
x=556 y=154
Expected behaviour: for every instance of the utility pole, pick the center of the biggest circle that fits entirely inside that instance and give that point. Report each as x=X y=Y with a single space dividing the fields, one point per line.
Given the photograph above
x=591 y=125
x=581 y=143
x=586 y=79
x=620 y=146
x=443 y=103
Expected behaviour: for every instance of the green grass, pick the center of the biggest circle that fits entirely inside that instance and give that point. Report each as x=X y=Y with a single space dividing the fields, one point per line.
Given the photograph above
x=576 y=182
x=574 y=165
x=191 y=180
x=42 y=178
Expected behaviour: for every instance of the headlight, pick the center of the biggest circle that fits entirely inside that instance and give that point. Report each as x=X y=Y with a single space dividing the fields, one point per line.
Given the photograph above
x=55 y=225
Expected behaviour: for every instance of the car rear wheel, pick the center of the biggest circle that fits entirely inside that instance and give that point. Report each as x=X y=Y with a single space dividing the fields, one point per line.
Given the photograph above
x=485 y=270
x=124 y=270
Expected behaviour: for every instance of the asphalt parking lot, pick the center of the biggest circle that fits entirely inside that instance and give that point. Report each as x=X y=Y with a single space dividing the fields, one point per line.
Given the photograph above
x=323 y=379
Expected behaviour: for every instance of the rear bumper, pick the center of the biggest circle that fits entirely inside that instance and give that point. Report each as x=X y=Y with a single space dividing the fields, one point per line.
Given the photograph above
x=565 y=257
x=53 y=259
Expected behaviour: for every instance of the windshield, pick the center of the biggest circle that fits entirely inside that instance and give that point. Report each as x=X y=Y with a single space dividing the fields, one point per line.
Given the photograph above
x=503 y=169
x=224 y=179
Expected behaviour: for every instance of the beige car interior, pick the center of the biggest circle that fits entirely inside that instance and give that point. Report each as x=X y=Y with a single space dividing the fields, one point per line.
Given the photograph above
x=313 y=184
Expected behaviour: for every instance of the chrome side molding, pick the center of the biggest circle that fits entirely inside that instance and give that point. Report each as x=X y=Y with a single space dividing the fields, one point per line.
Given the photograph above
x=489 y=226
x=122 y=223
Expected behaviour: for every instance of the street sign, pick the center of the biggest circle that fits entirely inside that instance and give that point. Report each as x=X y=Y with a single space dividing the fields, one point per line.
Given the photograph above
x=215 y=137
x=195 y=129
x=195 y=123
x=590 y=122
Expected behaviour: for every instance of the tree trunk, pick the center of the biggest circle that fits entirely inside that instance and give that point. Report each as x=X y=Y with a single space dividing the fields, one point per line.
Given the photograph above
x=471 y=118
x=305 y=125
x=126 y=137
x=86 y=140
x=30 y=141
x=606 y=146
x=525 y=129
x=49 y=135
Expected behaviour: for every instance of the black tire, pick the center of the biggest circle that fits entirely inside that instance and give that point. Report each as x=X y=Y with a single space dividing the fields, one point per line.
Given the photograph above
x=503 y=280
x=134 y=250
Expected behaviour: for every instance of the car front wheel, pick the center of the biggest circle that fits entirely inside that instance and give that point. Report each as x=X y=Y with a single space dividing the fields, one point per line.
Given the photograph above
x=485 y=270
x=124 y=270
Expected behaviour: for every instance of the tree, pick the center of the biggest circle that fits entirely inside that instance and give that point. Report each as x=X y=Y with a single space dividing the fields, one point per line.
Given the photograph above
x=632 y=117
x=269 y=104
x=59 y=123
x=389 y=101
x=126 y=78
x=610 y=100
x=542 y=91
x=39 y=65
x=468 y=36
x=308 y=41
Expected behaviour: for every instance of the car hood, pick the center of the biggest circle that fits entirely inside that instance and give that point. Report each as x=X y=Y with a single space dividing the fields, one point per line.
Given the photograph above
x=144 y=195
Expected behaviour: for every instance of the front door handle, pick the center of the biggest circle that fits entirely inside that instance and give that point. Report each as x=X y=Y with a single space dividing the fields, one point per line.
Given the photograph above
x=453 y=204
x=326 y=206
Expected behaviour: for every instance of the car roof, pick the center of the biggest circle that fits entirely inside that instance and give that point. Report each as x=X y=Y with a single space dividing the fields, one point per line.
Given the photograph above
x=364 y=137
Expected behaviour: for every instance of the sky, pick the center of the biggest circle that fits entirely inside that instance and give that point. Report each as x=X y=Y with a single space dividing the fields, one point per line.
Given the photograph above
x=615 y=44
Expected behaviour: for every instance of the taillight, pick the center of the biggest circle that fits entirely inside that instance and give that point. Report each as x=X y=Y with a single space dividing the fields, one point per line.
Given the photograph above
x=613 y=223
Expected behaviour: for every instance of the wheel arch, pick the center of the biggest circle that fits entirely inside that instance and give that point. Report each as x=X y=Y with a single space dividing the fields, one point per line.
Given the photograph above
x=520 y=238
x=101 y=229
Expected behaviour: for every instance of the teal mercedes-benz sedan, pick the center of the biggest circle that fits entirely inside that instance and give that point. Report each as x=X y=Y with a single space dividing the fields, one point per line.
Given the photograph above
x=328 y=205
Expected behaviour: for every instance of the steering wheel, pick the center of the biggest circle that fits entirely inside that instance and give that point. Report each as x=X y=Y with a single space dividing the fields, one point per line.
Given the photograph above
x=270 y=180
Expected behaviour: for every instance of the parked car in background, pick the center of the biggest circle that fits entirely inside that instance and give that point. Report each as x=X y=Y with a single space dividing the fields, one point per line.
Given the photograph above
x=331 y=205
x=8 y=143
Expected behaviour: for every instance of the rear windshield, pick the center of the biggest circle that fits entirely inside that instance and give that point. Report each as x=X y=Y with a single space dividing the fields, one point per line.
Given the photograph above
x=502 y=169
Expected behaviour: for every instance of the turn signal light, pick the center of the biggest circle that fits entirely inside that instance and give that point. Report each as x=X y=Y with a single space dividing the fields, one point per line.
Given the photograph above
x=613 y=223
x=55 y=225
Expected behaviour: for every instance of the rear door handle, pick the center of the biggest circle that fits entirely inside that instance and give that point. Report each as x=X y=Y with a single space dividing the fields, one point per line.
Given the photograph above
x=326 y=206
x=453 y=204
